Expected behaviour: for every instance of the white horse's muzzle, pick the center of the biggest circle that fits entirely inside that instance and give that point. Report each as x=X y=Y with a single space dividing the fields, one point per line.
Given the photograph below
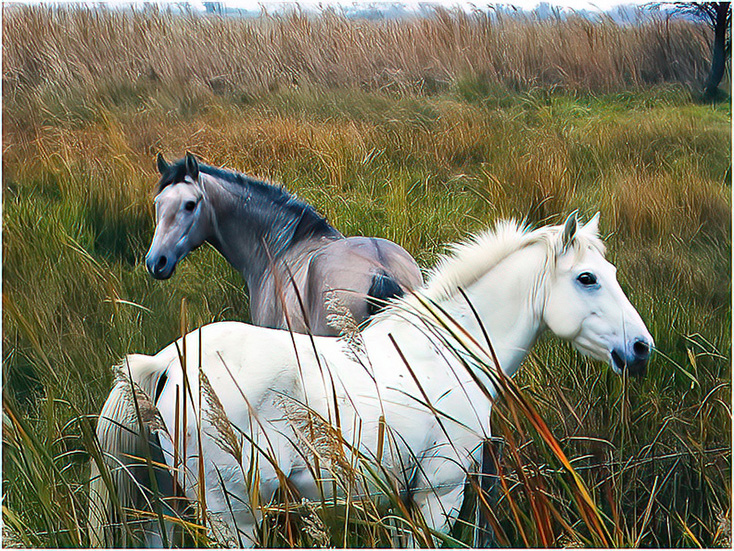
x=633 y=356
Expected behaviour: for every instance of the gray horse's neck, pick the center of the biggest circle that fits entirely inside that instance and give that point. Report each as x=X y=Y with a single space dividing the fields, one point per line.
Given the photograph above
x=255 y=224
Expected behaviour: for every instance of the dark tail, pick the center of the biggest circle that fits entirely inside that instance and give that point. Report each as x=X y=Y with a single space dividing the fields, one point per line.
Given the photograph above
x=383 y=288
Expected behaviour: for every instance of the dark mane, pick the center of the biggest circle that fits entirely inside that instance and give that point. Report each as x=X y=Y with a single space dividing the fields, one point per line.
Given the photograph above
x=310 y=223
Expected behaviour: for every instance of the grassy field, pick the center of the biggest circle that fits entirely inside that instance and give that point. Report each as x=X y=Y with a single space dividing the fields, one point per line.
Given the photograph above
x=420 y=132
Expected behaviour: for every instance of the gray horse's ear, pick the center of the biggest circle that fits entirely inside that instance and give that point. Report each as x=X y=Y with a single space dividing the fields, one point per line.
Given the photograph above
x=192 y=166
x=569 y=230
x=162 y=164
x=593 y=224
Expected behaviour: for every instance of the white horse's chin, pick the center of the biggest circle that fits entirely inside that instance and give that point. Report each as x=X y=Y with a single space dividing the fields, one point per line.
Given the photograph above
x=613 y=365
x=595 y=352
x=604 y=356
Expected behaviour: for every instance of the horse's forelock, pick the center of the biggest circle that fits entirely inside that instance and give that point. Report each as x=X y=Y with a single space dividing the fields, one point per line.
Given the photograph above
x=586 y=238
x=175 y=174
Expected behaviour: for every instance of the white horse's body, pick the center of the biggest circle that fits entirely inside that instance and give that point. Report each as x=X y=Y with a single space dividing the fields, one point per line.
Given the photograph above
x=280 y=391
x=436 y=414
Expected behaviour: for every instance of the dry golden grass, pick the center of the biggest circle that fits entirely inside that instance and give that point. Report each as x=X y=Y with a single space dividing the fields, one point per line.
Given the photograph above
x=90 y=50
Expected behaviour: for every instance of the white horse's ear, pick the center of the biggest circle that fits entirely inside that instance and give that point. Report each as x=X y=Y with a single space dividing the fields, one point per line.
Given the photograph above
x=593 y=224
x=569 y=230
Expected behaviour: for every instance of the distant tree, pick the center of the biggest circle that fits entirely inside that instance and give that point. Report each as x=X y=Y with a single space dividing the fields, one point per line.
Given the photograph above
x=718 y=16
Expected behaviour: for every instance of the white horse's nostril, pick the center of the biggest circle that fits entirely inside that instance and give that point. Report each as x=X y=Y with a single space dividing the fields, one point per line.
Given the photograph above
x=641 y=349
x=618 y=360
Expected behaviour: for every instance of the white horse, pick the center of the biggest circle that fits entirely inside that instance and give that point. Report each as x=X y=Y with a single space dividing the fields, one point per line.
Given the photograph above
x=406 y=394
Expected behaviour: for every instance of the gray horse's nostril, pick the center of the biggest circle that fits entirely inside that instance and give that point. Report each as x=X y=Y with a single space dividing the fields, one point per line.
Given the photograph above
x=159 y=266
x=641 y=349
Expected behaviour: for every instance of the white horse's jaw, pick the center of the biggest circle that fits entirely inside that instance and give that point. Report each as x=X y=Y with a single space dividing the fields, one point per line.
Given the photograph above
x=629 y=353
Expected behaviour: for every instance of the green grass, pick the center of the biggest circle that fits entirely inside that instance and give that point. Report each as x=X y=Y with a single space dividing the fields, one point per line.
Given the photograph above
x=422 y=170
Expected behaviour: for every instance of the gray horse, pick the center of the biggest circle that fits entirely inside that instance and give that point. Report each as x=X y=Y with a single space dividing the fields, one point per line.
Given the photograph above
x=289 y=255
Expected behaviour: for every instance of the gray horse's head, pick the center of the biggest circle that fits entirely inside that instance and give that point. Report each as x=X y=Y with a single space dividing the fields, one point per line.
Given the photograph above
x=183 y=217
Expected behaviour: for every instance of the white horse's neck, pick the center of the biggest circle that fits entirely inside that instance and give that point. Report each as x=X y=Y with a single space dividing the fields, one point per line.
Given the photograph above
x=508 y=300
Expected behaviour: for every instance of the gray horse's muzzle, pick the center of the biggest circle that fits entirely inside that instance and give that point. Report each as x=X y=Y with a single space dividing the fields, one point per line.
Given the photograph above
x=160 y=266
x=633 y=358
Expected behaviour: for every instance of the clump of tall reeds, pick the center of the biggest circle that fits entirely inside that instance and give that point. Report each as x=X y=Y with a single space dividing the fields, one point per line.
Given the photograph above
x=123 y=54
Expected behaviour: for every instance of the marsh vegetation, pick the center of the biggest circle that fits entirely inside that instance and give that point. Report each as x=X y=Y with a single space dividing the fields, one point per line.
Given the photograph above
x=420 y=132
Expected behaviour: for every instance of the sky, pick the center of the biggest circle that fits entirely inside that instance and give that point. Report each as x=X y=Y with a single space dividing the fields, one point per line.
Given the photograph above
x=601 y=5
x=525 y=4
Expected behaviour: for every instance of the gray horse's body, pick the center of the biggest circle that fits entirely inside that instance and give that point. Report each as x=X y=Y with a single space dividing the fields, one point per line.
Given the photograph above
x=361 y=271
x=289 y=255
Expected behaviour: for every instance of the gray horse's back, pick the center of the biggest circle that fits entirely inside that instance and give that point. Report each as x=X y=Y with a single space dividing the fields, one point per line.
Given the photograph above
x=363 y=272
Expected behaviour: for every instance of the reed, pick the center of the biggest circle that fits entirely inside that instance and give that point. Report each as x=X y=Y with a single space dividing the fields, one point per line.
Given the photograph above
x=118 y=53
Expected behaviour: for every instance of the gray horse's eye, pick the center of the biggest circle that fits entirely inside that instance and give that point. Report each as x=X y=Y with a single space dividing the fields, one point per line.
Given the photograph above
x=190 y=205
x=586 y=278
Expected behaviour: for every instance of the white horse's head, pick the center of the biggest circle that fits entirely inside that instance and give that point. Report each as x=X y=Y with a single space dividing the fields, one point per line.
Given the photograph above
x=183 y=218
x=585 y=304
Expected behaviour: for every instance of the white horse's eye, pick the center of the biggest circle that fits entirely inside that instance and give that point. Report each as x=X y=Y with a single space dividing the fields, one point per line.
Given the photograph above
x=586 y=278
x=190 y=205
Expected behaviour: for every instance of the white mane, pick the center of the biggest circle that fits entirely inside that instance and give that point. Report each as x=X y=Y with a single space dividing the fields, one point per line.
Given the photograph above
x=468 y=261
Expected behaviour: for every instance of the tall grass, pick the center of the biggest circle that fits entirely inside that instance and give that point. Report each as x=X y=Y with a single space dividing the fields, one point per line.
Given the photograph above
x=420 y=132
x=118 y=55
